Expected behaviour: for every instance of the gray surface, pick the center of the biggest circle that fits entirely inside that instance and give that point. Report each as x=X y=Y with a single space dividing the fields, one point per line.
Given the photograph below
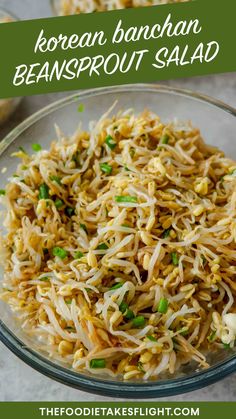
x=19 y=382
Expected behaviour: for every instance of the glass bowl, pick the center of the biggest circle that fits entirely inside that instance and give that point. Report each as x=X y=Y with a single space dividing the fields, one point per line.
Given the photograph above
x=7 y=106
x=56 y=5
x=217 y=122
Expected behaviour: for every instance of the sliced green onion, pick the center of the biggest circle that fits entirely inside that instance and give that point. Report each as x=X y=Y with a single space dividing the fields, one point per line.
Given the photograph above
x=22 y=149
x=80 y=108
x=163 y=305
x=166 y=233
x=36 y=147
x=59 y=252
x=2 y=192
x=106 y=168
x=211 y=337
x=123 y=307
x=226 y=346
x=45 y=279
x=140 y=367
x=175 y=259
x=117 y=286
x=164 y=139
x=70 y=211
x=151 y=338
x=83 y=226
x=126 y=168
x=110 y=142
x=97 y=363
x=24 y=167
x=102 y=246
x=56 y=179
x=59 y=203
x=184 y=331
x=127 y=198
x=129 y=315
x=68 y=301
x=233 y=173
x=78 y=255
x=138 y=321
x=44 y=191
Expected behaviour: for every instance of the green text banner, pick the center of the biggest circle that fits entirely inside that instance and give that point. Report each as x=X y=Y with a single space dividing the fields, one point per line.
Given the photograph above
x=145 y=410
x=111 y=48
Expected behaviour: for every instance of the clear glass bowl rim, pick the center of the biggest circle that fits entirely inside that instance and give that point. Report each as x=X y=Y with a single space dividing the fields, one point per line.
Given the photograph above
x=91 y=384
